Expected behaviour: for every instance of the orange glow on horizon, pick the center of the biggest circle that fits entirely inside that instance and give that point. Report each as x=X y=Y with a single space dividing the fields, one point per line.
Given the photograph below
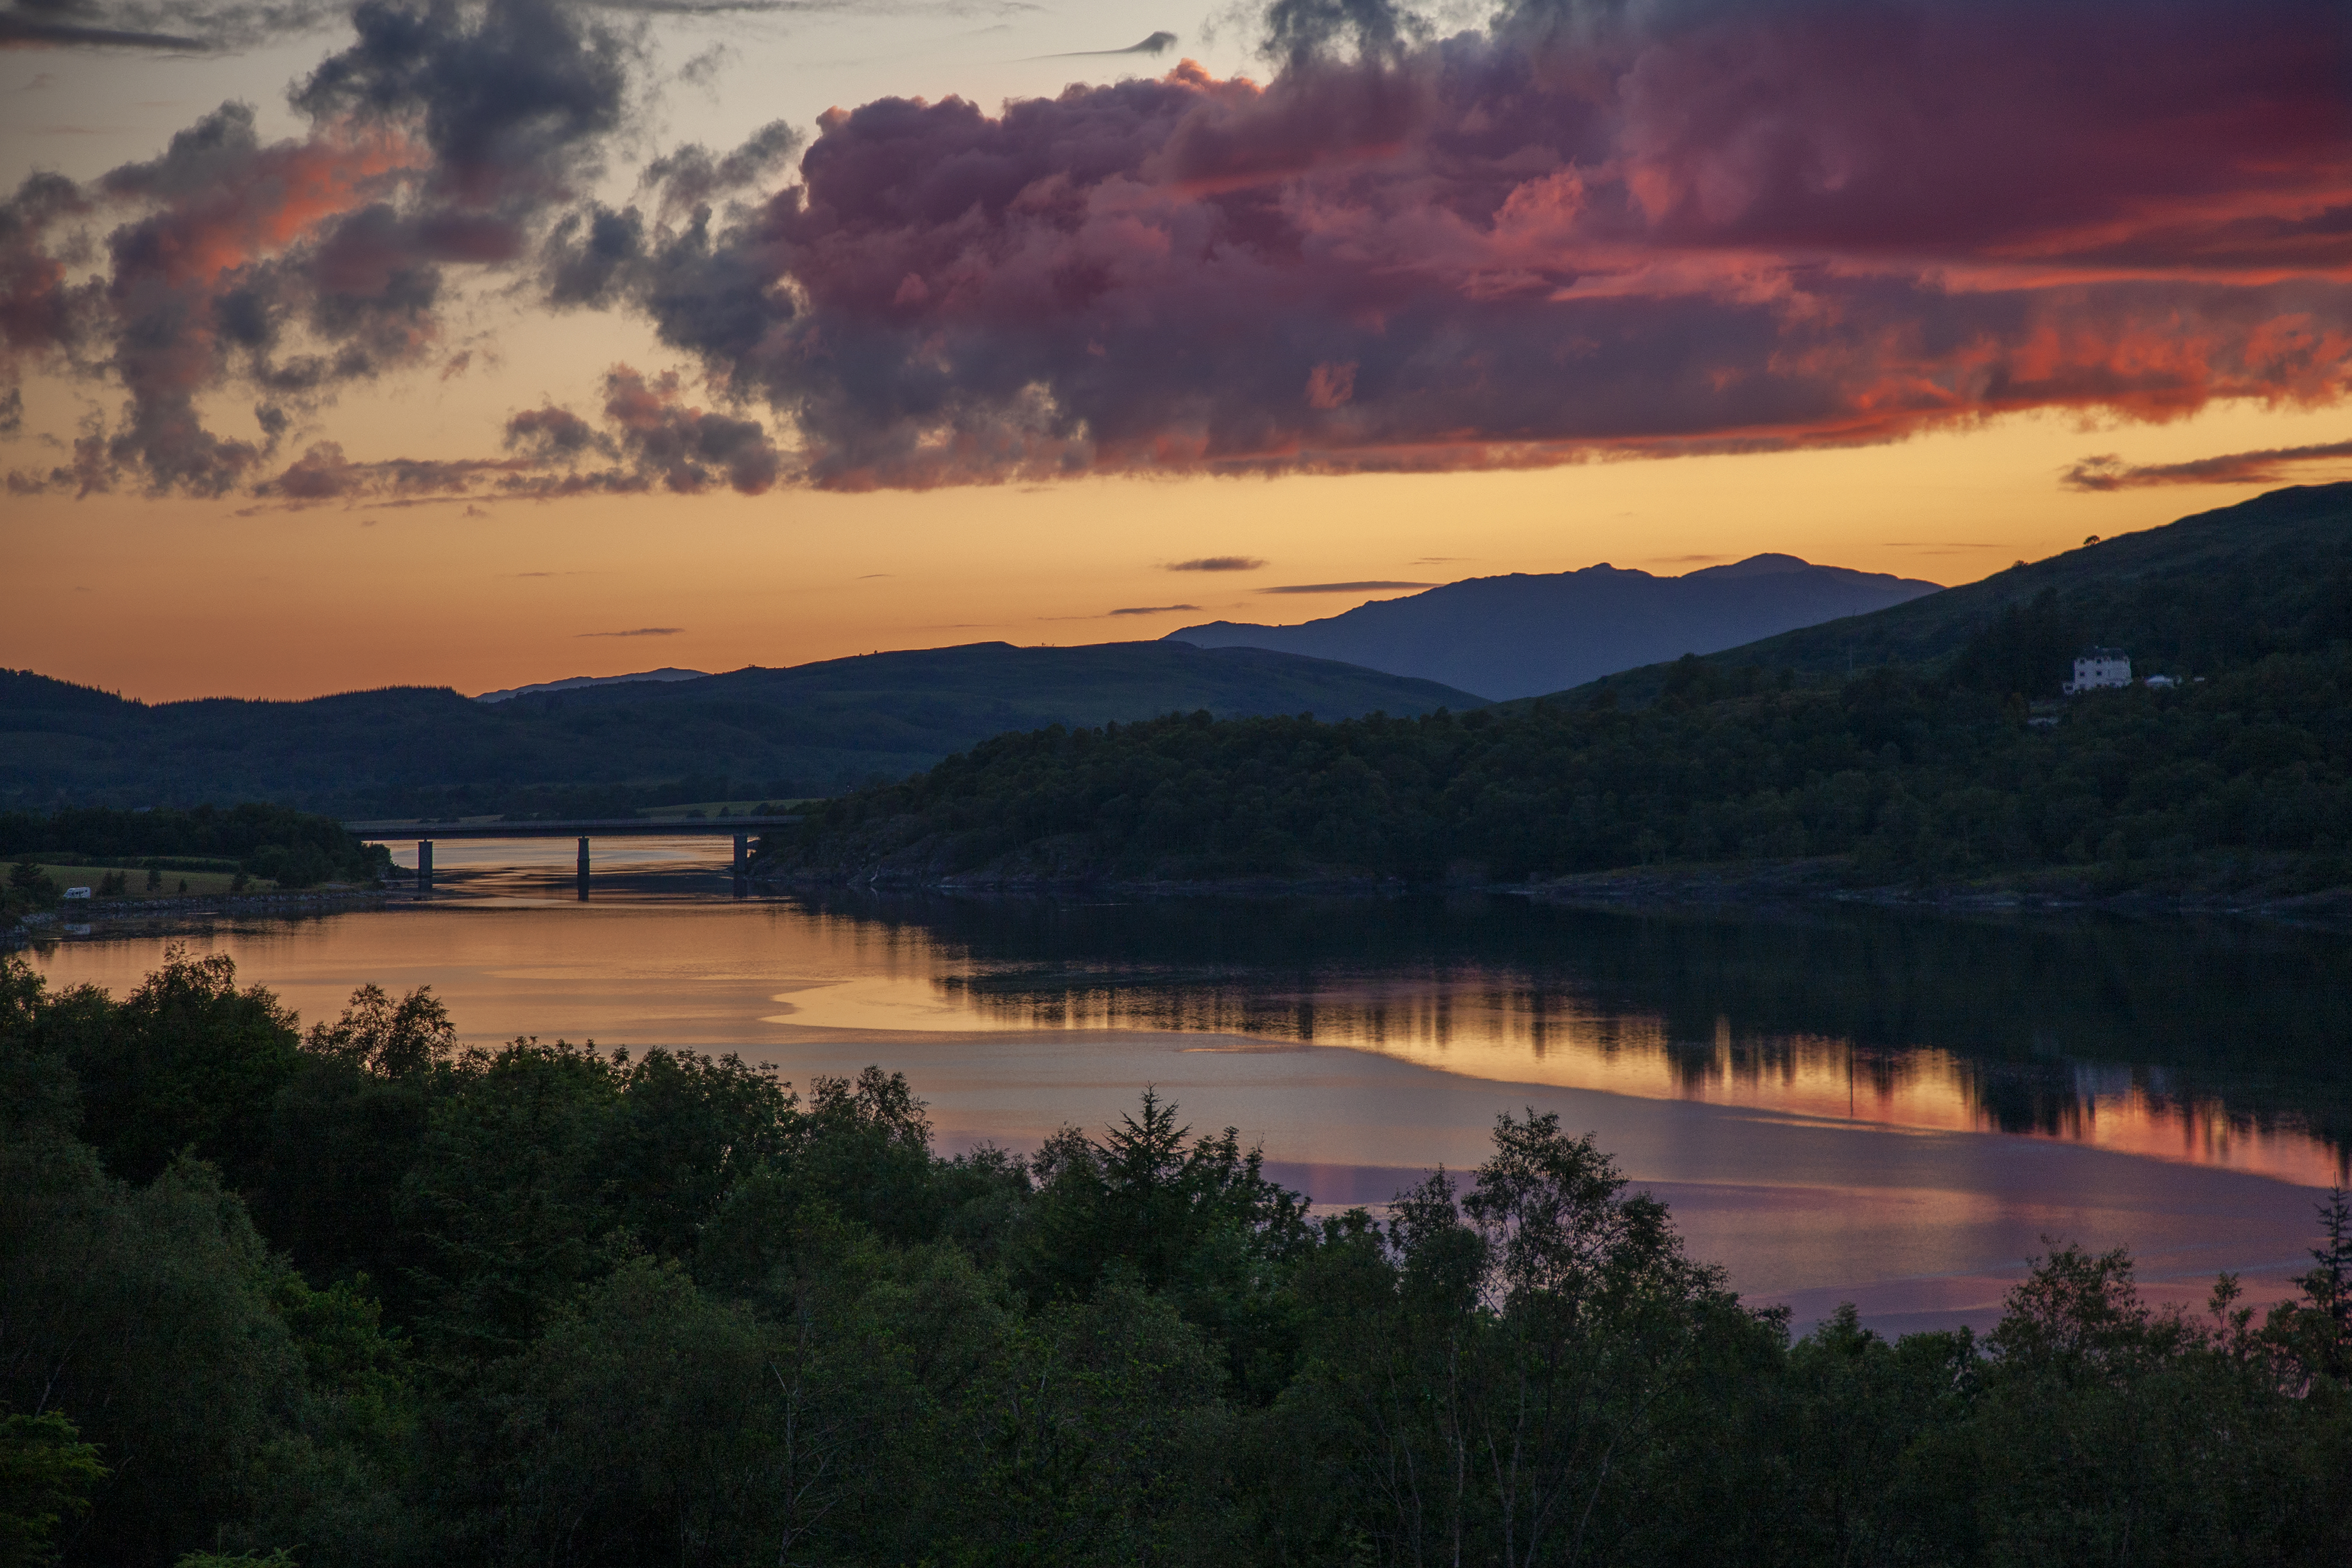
x=169 y=599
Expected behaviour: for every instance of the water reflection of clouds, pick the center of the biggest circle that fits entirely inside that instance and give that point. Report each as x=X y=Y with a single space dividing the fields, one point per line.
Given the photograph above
x=1497 y=1028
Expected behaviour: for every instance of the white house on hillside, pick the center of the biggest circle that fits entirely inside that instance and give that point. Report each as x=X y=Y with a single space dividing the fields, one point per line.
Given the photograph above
x=2099 y=667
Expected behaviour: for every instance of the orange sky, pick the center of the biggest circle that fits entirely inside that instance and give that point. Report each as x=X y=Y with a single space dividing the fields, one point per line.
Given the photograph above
x=166 y=597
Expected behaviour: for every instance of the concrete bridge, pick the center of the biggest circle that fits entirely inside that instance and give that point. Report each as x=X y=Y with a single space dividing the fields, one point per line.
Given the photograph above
x=582 y=828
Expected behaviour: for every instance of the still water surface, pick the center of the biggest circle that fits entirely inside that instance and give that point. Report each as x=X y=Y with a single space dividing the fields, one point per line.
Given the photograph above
x=1888 y=1109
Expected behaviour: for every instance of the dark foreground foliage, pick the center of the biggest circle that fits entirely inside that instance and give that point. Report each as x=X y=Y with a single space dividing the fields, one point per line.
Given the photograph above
x=1912 y=776
x=356 y=1296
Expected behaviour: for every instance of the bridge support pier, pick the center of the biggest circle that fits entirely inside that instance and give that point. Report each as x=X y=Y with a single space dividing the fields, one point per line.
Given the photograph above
x=742 y=854
x=425 y=864
x=583 y=866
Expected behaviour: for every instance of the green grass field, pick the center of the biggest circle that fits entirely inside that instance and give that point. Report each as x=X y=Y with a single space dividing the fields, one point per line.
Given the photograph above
x=175 y=884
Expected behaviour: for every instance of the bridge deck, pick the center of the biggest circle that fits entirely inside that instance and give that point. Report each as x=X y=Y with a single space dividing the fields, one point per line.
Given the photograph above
x=599 y=828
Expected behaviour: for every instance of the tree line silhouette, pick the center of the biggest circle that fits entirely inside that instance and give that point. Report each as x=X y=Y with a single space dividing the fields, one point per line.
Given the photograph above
x=2245 y=777
x=355 y=1295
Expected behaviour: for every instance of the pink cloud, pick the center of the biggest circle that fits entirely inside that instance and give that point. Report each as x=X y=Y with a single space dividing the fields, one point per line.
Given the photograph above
x=1751 y=227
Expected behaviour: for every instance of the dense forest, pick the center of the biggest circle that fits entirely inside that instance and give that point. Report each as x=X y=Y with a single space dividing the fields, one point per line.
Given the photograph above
x=290 y=848
x=2244 y=778
x=1939 y=757
x=779 y=733
x=357 y=1295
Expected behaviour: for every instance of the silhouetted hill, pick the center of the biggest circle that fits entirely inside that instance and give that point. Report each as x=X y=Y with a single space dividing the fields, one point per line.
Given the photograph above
x=574 y=683
x=1928 y=765
x=1520 y=635
x=2208 y=592
x=808 y=730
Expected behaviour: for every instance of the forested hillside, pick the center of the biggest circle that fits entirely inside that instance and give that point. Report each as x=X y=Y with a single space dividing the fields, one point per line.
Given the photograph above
x=809 y=730
x=1939 y=769
x=1910 y=775
x=2211 y=592
x=353 y=1298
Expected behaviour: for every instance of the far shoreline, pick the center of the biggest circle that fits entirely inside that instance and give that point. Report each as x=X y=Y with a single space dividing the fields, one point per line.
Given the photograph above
x=1763 y=889
x=1752 y=890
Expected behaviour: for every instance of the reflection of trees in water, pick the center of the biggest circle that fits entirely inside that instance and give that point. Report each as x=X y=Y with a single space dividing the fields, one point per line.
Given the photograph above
x=2230 y=1029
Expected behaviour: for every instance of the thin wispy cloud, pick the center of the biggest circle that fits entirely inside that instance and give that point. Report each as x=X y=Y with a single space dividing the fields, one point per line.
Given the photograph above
x=639 y=632
x=20 y=31
x=1217 y=564
x=1340 y=588
x=2274 y=466
x=1158 y=44
x=1153 y=609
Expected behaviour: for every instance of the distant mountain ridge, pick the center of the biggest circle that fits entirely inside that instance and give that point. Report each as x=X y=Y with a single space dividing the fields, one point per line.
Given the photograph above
x=2207 y=591
x=574 y=683
x=1523 y=635
x=808 y=730
x=1884 y=753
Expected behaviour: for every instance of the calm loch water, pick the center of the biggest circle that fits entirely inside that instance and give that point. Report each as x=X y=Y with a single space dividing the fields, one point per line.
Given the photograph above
x=1888 y=1109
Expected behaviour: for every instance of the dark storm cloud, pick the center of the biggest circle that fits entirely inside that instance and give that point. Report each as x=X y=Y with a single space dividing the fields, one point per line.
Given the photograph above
x=686 y=449
x=693 y=175
x=597 y=255
x=441 y=138
x=36 y=307
x=709 y=294
x=650 y=439
x=550 y=436
x=514 y=101
x=2275 y=466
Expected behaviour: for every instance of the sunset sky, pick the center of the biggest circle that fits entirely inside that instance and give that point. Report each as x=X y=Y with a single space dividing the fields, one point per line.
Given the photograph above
x=477 y=345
